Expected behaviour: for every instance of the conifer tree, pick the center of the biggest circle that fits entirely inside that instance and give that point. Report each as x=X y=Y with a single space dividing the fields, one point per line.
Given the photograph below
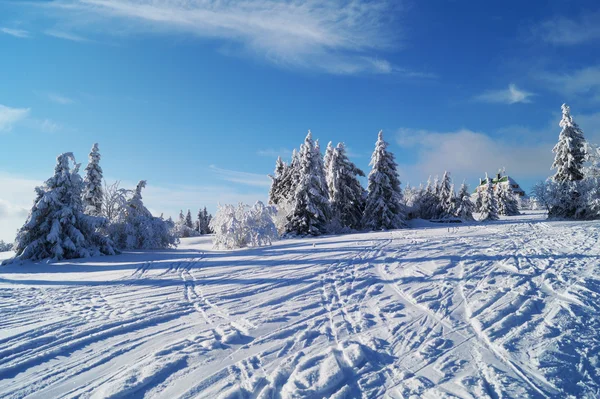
x=311 y=212
x=275 y=193
x=489 y=208
x=188 y=220
x=383 y=209
x=289 y=180
x=92 y=191
x=506 y=200
x=446 y=197
x=57 y=227
x=327 y=161
x=464 y=205
x=345 y=191
x=570 y=151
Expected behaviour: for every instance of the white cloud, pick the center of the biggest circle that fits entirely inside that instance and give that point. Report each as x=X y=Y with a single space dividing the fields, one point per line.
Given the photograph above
x=511 y=95
x=49 y=126
x=20 y=33
x=569 y=31
x=336 y=36
x=59 y=98
x=16 y=197
x=469 y=155
x=249 y=179
x=59 y=34
x=585 y=81
x=10 y=116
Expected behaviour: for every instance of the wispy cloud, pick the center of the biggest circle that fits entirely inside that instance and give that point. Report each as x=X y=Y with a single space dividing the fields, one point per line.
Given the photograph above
x=20 y=33
x=336 y=36
x=273 y=153
x=49 y=126
x=511 y=95
x=59 y=98
x=469 y=154
x=249 y=179
x=10 y=116
x=564 y=31
x=585 y=81
x=59 y=34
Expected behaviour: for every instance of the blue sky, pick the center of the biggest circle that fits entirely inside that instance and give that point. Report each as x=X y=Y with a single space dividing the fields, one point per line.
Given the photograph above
x=199 y=96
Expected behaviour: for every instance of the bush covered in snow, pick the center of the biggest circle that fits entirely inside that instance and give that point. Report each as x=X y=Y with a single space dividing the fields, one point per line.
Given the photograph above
x=244 y=226
x=134 y=226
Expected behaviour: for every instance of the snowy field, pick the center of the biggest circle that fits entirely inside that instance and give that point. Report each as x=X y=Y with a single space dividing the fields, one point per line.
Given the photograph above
x=503 y=310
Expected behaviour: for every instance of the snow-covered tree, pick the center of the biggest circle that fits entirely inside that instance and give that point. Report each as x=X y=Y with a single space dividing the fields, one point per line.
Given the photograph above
x=345 y=191
x=5 y=246
x=570 y=151
x=289 y=179
x=327 y=161
x=311 y=211
x=57 y=227
x=136 y=228
x=114 y=198
x=203 y=222
x=275 y=193
x=92 y=191
x=383 y=209
x=445 y=197
x=489 y=208
x=189 y=223
x=413 y=200
x=320 y=170
x=464 y=205
x=508 y=204
x=243 y=226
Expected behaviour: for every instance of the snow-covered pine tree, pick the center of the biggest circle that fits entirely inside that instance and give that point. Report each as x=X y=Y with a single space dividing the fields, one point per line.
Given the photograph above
x=383 y=209
x=289 y=179
x=489 y=208
x=188 y=220
x=320 y=168
x=275 y=193
x=243 y=226
x=136 y=228
x=445 y=197
x=92 y=191
x=464 y=205
x=327 y=161
x=345 y=191
x=311 y=211
x=570 y=150
x=57 y=227
x=506 y=200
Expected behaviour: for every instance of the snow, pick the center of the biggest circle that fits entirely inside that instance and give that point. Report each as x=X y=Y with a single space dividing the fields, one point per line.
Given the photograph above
x=501 y=309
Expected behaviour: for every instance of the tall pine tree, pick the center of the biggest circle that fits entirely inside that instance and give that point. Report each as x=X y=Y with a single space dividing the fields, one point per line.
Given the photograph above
x=383 y=209
x=464 y=205
x=311 y=212
x=92 y=191
x=570 y=151
x=275 y=193
x=489 y=207
x=345 y=191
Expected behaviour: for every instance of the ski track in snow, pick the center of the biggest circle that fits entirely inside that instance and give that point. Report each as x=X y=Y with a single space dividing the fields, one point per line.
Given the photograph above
x=501 y=310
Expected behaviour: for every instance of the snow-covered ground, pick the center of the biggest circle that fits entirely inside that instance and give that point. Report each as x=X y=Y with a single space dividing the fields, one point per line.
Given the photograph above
x=508 y=309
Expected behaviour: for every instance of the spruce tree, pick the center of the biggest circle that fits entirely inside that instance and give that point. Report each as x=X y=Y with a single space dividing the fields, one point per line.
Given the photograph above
x=506 y=200
x=289 y=179
x=345 y=191
x=464 y=205
x=383 y=209
x=57 y=227
x=275 y=193
x=311 y=212
x=92 y=192
x=570 y=150
x=327 y=161
x=489 y=208
x=320 y=167
x=445 y=197
x=188 y=220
